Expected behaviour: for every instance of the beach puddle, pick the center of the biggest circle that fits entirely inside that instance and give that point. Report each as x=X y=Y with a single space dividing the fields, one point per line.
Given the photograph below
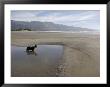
x=43 y=62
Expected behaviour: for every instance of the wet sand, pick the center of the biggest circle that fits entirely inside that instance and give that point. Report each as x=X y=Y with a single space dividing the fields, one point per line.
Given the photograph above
x=81 y=55
x=43 y=62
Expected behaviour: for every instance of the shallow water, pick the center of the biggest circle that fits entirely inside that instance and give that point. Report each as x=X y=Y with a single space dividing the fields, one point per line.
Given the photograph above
x=44 y=61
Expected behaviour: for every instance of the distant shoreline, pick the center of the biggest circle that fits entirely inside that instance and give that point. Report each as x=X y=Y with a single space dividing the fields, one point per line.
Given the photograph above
x=61 y=31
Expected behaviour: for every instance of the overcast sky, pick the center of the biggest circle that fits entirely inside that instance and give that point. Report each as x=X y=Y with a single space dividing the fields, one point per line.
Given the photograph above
x=77 y=18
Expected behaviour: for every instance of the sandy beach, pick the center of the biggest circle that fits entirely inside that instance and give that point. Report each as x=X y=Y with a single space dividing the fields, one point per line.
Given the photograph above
x=81 y=56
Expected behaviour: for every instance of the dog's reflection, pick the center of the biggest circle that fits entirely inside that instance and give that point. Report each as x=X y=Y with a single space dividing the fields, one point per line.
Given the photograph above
x=31 y=53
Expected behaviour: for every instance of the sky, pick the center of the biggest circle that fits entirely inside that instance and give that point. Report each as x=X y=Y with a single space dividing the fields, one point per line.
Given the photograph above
x=77 y=18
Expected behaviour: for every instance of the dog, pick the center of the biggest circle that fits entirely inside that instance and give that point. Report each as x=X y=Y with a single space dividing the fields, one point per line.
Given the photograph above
x=31 y=48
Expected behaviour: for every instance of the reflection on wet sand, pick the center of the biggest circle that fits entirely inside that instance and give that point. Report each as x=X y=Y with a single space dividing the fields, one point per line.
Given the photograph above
x=43 y=61
x=31 y=53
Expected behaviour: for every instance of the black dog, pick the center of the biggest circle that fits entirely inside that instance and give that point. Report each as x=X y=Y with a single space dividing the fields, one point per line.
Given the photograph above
x=31 y=48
